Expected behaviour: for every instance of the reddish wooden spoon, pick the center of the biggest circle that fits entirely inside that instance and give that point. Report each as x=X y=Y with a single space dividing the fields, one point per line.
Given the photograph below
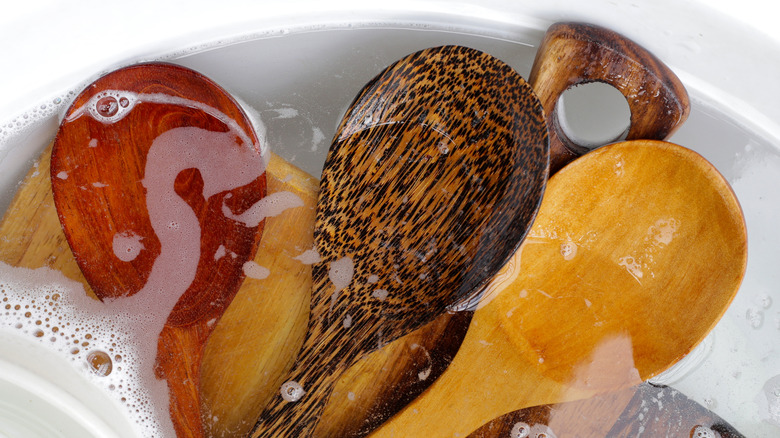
x=154 y=171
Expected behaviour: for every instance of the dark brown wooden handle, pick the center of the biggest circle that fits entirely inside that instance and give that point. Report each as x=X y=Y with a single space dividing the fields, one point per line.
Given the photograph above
x=578 y=53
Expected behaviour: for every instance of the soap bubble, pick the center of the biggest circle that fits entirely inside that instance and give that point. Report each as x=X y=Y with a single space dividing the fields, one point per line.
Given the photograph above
x=100 y=363
x=291 y=391
x=520 y=430
x=704 y=432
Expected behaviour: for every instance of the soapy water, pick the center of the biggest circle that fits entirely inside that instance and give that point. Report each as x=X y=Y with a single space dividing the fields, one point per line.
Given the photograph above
x=253 y=270
x=520 y=430
x=111 y=349
x=272 y=205
x=301 y=96
x=127 y=246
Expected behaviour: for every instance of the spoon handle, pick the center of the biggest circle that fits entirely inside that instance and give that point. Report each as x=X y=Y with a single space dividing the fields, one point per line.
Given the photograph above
x=179 y=355
x=576 y=53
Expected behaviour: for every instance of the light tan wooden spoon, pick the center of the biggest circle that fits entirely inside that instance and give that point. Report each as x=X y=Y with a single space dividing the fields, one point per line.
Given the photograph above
x=637 y=251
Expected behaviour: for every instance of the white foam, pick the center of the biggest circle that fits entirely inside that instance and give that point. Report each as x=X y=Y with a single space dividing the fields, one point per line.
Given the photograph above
x=663 y=231
x=291 y=391
x=253 y=270
x=520 y=430
x=754 y=317
x=379 y=294
x=425 y=372
x=56 y=313
x=270 y=206
x=632 y=267
x=220 y=252
x=285 y=113
x=568 y=250
x=317 y=138
x=30 y=120
x=341 y=272
x=769 y=401
x=93 y=109
x=704 y=432
x=308 y=257
x=127 y=246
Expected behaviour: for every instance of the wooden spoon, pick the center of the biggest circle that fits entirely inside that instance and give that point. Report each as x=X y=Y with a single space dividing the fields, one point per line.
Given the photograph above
x=154 y=171
x=571 y=54
x=437 y=157
x=645 y=410
x=637 y=251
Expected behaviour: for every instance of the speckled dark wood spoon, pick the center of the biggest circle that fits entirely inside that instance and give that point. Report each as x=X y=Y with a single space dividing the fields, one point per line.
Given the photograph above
x=431 y=183
x=152 y=168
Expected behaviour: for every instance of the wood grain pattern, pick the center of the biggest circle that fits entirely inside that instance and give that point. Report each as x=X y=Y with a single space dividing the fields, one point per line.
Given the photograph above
x=645 y=410
x=438 y=156
x=577 y=53
x=101 y=183
x=352 y=411
x=596 y=299
x=381 y=384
